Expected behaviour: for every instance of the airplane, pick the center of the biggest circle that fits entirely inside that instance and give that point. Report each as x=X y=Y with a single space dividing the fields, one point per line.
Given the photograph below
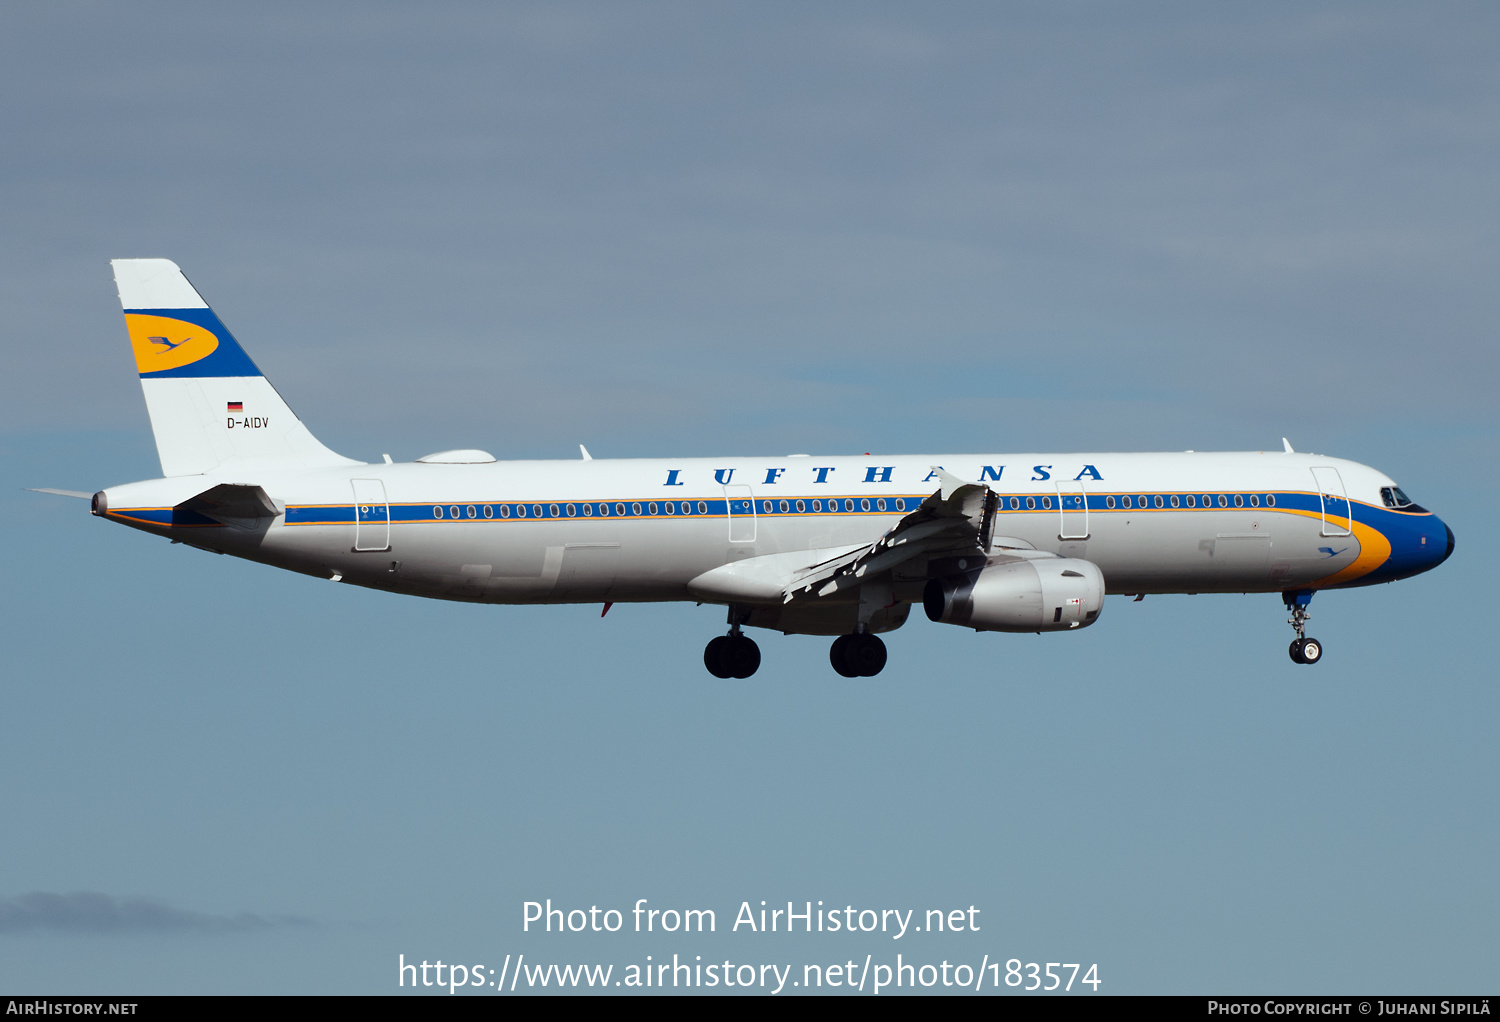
x=840 y=545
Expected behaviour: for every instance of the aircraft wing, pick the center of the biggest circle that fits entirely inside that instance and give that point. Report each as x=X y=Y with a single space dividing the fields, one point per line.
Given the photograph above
x=959 y=517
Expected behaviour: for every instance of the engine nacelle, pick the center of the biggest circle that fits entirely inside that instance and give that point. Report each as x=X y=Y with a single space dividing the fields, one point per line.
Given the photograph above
x=1053 y=594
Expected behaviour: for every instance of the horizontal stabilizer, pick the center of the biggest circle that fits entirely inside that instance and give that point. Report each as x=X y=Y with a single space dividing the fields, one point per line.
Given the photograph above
x=244 y=507
x=60 y=493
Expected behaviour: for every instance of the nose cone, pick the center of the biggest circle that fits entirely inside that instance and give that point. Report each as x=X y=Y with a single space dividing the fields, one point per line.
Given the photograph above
x=1418 y=543
x=1433 y=544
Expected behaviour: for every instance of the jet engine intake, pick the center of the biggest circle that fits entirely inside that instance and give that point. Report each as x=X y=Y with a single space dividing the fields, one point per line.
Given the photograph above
x=1046 y=595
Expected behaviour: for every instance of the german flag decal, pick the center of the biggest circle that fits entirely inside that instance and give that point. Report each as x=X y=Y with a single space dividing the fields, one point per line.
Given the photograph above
x=236 y=406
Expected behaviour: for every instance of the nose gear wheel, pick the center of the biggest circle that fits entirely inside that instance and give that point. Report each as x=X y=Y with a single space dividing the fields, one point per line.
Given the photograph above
x=1302 y=650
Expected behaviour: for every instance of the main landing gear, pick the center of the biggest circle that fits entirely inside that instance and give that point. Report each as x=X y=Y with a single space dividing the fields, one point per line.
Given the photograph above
x=734 y=655
x=1302 y=650
x=858 y=656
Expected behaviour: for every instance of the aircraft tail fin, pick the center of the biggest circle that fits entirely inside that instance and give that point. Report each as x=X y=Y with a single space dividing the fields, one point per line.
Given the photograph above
x=210 y=406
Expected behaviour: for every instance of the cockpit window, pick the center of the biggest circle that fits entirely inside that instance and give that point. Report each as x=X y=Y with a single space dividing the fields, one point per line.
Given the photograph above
x=1392 y=497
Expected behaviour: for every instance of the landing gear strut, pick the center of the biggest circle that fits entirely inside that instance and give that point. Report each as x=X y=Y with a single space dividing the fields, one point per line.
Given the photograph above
x=858 y=656
x=1302 y=650
x=734 y=655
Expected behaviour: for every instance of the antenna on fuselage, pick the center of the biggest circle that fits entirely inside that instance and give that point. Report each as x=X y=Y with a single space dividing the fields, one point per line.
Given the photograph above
x=585 y=451
x=1288 y=445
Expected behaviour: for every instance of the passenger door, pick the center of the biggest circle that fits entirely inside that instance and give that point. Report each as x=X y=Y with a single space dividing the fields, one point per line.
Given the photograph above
x=1337 y=519
x=372 y=516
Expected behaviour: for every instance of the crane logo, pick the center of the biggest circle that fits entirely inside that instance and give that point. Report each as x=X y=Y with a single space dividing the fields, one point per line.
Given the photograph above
x=163 y=343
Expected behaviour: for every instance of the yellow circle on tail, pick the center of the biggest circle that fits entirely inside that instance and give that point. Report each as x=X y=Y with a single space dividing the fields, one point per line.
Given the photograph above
x=162 y=343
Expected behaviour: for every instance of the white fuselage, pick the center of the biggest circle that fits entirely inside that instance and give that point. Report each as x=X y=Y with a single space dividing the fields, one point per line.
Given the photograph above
x=637 y=530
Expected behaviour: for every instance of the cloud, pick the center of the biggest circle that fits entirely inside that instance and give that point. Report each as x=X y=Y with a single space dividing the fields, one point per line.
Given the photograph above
x=92 y=912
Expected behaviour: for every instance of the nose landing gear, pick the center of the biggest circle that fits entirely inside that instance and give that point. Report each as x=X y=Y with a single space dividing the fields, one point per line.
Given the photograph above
x=1306 y=651
x=734 y=655
x=1302 y=650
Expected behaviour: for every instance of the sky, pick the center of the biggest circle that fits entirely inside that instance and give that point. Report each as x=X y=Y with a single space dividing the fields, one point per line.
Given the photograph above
x=739 y=229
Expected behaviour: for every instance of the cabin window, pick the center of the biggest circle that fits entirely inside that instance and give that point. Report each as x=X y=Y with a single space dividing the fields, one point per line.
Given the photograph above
x=1223 y=500
x=1239 y=500
x=554 y=511
x=801 y=507
x=900 y=504
x=848 y=504
x=880 y=504
x=670 y=508
x=1047 y=503
x=1175 y=501
x=1031 y=503
x=619 y=509
x=817 y=505
x=702 y=507
x=1127 y=502
x=635 y=508
x=437 y=512
x=1270 y=500
x=651 y=507
x=1255 y=500
x=864 y=503
x=489 y=512
x=1191 y=500
x=1109 y=502
x=453 y=511
x=1015 y=503
x=1159 y=502
x=588 y=510
x=472 y=511
x=784 y=507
